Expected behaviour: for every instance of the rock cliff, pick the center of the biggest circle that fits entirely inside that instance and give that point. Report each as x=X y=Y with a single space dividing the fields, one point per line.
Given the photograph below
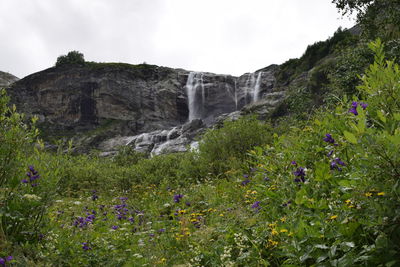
x=100 y=103
x=6 y=79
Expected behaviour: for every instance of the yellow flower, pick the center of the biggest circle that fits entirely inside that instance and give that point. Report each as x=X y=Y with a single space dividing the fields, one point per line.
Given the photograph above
x=333 y=217
x=368 y=194
x=381 y=194
x=283 y=231
x=272 y=243
x=283 y=219
x=274 y=232
x=348 y=201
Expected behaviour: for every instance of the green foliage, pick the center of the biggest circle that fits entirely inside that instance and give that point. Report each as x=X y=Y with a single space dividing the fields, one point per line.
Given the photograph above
x=221 y=149
x=21 y=205
x=350 y=64
x=127 y=156
x=72 y=58
x=378 y=18
x=324 y=192
x=314 y=53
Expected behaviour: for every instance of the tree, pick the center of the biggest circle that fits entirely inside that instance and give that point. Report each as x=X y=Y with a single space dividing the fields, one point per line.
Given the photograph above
x=72 y=58
x=378 y=18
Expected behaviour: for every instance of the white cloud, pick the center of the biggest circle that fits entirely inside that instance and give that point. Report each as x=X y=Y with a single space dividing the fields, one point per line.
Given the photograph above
x=222 y=36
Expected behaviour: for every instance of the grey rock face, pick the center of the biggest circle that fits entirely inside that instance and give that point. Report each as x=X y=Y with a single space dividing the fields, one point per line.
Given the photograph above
x=176 y=139
x=149 y=106
x=7 y=79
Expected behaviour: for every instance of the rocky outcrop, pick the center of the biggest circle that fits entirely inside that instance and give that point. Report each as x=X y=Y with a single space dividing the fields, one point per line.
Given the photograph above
x=7 y=79
x=96 y=102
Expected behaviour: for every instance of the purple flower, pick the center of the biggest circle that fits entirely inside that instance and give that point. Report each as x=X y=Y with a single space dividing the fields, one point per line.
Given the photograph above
x=114 y=227
x=85 y=246
x=94 y=196
x=9 y=258
x=330 y=153
x=293 y=163
x=162 y=230
x=329 y=139
x=177 y=198
x=245 y=182
x=32 y=175
x=287 y=203
x=354 y=106
x=256 y=205
x=300 y=174
x=336 y=163
x=266 y=179
x=2 y=262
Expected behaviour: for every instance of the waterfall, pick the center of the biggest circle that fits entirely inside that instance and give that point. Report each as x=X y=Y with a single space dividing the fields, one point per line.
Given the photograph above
x=193 y=85
x=236 y=97
x=256 y=91
x=249 y=86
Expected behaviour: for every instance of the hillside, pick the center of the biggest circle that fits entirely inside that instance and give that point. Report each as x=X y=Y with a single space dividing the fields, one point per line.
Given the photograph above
x=7 y=79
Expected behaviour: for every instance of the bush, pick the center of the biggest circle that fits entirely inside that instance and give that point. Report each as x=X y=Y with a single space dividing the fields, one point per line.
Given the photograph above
x=72 y=58
x=221 y=149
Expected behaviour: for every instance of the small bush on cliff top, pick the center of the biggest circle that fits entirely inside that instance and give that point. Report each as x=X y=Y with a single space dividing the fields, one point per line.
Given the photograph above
x=72 y=58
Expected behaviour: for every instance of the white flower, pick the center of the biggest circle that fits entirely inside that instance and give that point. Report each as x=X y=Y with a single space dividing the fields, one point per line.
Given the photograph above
x=32 y=197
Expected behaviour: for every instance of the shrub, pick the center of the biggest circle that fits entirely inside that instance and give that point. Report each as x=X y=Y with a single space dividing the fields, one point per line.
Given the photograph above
x=72 y=58
x=221 y=149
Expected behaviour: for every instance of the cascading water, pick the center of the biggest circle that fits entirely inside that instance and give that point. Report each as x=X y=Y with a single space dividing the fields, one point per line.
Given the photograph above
x=256 y=91
x=249 y=86
x=195 y=100
x=236 y=97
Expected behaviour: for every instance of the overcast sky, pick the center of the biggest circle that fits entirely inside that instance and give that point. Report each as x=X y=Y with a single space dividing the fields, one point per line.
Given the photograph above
x=221 y=36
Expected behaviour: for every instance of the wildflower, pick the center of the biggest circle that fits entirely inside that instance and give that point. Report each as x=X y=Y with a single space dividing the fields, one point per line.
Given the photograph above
x=354 y=106
x=287 y=203
x=177 y=198
x=293 y=163
x=85 y=246
x=245 y=182
x=381 y=194
x=300 y=174
x=335 y=164
x=329 y=139
x=162 y=230
x=266 y=179
x=330 y=153
x=333 y=217
x=114 y=227
x=368 y=194
x=256 y=205
x=4 y=261
x=283 y=231
x=94 y=196
x=32 y=175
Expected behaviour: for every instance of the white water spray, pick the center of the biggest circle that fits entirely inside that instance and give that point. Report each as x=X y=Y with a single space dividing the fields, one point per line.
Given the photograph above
x=193 y=85
x=256 y=91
